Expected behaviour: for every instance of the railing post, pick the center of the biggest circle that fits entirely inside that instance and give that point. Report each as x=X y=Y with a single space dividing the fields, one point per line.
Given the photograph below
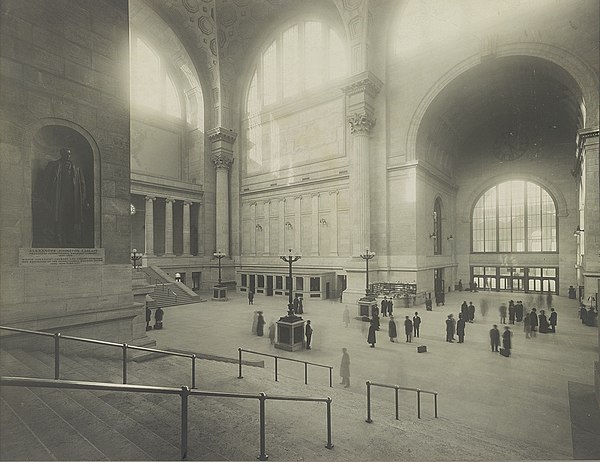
x=329 y=445
x=368 y=402
x=240 y=376
x=193 y=371
x=418 y=403
x=396 y=387
x=435 y=404
x=275 y=368
x=263 y=455
x=305 y=373
x=331 y=377
x=185 y=391
x=124 y=363
x=57 y=356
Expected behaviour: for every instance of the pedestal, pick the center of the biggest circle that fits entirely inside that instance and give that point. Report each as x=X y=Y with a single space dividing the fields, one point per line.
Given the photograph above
x=290 y=333
x=220 y=293
x=366 y=306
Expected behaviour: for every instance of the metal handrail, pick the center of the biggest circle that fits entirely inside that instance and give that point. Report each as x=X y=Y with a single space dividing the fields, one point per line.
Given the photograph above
x=396 y=388
x=184 y=392
x=124 y=346
x=306 y=363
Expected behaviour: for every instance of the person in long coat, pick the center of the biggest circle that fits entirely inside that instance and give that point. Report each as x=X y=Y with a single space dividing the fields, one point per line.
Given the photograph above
x=506 y=344
x=309 y=332
x=300 y=305
x=376 y=321
x=553 y=319
x=460 y=329
x=260 y=322
x=390 y=306
x=511 y=312
x=494 y=338
x=371 y=338
x=416 y=323
x=519 y=310
x=392 y=331
x=272 y=333
x=449 y=329
x=502 y=311
x=543 y=322
x=533 y=321
x=408 y=329
x=384 y=306
x=345 y=368
x=471 y=316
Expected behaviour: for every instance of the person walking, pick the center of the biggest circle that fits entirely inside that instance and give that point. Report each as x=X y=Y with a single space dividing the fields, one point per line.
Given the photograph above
x=300 y=305
x=371 y=338
x=346 y=317
x=416 y=324
x=345 y=368
x=260 y=323
x=533 y=322
x=392 y=331
x=464 y=309
x=250 y=297
x=408 y=329
x=506 y=343
x=471 y=316
x=460 y=328
x=384 y=306
x=494 y=338
x=309 y=332
x=553 y=318
x=272 y=333
x=519 y=310
x=527 y=325
x=502 y=311
x=449 y=329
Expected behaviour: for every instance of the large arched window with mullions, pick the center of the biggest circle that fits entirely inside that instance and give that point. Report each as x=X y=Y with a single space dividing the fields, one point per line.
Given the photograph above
x=514 y=216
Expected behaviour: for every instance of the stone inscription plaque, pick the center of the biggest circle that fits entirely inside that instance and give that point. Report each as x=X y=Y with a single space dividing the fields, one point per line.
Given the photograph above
x=68 y=256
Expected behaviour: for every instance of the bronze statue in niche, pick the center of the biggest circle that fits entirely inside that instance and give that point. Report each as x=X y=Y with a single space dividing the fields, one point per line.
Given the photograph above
x=61 y=206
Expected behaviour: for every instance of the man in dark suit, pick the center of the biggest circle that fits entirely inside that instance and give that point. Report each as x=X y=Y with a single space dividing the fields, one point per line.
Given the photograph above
x=416 y=323
x=494 y=338
x=533 y=321
x=449 y=329
x=460 y=328
x=308 y=331
x=553 y=317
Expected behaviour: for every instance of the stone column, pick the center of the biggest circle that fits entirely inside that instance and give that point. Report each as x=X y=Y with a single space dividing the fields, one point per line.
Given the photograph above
x=267 y=228
x=314 y=224
x=200 y=226
x=360 y=100
x=333 y=223
x=222 y=140
x=298 y=225
x=169 y=226
x=281 y=221
x=253 y=228
x=149 y=225
x=186 y=227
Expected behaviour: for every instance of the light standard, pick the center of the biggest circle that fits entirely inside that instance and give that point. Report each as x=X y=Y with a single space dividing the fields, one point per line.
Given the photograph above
x=218 y=254
x=135 y=258
x=290 y=259
x=366 y=257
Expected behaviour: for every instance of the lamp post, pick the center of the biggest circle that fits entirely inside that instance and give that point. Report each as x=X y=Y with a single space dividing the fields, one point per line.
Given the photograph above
x=290 y=259
x=366 y=257
x=218 y=254
x=135 y=258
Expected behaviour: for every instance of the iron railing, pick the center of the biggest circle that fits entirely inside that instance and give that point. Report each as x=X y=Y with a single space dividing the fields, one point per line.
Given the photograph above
x=184 y=392
x=306 y=363
x=397 y=388
x=124 y=346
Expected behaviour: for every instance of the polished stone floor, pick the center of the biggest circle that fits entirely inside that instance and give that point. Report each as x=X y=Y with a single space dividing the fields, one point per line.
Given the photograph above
x=526 y=398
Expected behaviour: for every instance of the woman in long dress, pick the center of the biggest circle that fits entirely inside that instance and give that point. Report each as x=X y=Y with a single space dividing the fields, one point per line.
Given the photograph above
x=392 y=331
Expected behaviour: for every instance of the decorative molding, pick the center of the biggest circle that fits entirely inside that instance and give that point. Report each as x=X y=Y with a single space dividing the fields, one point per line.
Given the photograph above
x=222 y=161
x=361 y=123
x=150 y=198
x=222 y=134
x=169 y=199
x=366 y=82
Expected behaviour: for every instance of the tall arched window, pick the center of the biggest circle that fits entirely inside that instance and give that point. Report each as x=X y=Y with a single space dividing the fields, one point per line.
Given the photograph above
x=437 y=227
x=514 y=216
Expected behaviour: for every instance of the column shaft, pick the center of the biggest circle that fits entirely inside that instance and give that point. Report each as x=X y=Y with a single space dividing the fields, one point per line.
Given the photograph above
x=333 y=225
x=149 y=226
x=359 y=185
x=314 y=224
x=186 y=227
x=169 y=226
x=267 y=228
x=222 y=212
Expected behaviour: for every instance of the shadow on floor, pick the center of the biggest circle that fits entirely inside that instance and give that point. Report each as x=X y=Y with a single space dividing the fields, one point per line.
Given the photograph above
x=585 y=421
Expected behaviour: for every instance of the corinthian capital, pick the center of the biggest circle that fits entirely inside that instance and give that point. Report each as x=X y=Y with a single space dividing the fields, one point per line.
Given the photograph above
x=222 y=161
x=361 y=123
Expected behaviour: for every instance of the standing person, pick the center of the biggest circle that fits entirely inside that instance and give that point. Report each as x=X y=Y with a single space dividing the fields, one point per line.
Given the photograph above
x=502 y=311
x=390 y=306
x=416 y=324
x=553 y=319
x=158 y=318
x=295 y=304
x=527 y=325
x=376 y=320
x=384 y=305
x=300 y=305
x=543 y=322
x=511 y=312
x=464 y=309
x=392 y=331
x=449 y=329
x=408 y=329
x=519 y=310
x=148 y=318
x=483 y=307
x=260 y=323
x=346 y=317
x=453 y=319
x=371 y=338
x=506 y=343
x=494 y=338
x=533 y=322
x=471 y=316
x=309 y=332
x=250 y=297
x=460 y=328
x=272 y=332
x=345 y=368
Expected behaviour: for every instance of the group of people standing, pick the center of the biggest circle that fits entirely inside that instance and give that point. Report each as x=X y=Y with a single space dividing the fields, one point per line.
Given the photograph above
x=411 y=328
x=387 y=306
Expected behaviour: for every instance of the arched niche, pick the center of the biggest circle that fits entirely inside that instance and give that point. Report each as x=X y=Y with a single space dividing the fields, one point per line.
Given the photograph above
x=45 y=141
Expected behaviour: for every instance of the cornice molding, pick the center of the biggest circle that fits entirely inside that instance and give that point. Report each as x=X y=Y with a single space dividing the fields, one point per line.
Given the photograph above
x=222 y=134
x=365 y=82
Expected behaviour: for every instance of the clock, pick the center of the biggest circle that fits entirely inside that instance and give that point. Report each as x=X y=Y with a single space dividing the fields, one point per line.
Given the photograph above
x=510 y=145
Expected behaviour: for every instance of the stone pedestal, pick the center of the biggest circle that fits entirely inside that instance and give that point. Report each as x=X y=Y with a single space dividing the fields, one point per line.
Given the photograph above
x=366 y=306
x=220 y=293
x=290 y=333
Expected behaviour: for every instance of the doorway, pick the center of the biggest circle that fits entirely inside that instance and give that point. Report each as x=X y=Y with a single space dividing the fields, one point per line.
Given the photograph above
x=269 y=286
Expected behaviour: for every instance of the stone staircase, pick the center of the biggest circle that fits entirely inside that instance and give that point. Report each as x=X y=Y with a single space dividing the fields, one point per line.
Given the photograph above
x=59 y=424
x=167 y=292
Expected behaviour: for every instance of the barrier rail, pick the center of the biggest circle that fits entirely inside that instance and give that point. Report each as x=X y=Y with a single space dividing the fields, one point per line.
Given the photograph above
x=397 y=388
x=184 y=392
x=124 y=346
x=306 y=363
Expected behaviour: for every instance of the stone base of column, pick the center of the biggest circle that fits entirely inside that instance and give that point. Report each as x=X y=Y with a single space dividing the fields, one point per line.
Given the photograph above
x=290 y=333
x=220 y=293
